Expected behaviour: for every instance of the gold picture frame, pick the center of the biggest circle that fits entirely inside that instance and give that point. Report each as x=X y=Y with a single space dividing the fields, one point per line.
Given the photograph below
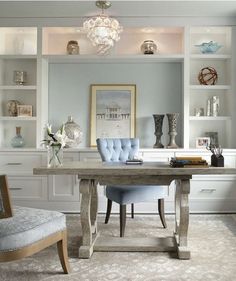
x=5 y=201
x=113 y=111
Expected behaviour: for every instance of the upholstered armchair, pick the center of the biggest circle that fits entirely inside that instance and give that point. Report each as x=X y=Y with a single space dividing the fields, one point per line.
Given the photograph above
x=25 y=231
x=120 y=150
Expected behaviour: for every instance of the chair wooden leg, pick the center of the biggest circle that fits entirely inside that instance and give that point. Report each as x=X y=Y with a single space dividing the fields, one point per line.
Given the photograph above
x=132 y=210
x=63 y=254
x=122 y=220
x=162 y=212
x=109 y=205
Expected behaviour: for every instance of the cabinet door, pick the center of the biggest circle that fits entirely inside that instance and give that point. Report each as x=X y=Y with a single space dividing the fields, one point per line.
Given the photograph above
x=161 y=157
x=64 y=187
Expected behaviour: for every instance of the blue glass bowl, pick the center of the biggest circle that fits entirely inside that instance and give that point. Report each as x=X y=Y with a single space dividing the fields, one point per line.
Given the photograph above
x=209 y=48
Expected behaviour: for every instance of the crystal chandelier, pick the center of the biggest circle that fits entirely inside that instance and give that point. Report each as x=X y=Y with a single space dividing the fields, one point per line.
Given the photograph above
x=102 y=30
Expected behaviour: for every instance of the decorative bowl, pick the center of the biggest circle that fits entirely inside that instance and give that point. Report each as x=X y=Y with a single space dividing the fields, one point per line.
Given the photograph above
x=209 y=48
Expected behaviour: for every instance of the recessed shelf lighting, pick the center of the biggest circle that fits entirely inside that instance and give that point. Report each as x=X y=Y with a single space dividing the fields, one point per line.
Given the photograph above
x=79 y=29
x=147 y=30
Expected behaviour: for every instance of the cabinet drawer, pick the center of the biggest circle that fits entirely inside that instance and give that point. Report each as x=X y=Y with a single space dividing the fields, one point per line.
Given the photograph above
x=209 y=189
x=28 y=188
x=13 y=163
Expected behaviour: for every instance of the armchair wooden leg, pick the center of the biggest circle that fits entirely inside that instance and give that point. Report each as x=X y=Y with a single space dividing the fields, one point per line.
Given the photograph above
x=109 y=205
x=122 y=220
x=63 y=254
x=132 y=210
x=162 y=212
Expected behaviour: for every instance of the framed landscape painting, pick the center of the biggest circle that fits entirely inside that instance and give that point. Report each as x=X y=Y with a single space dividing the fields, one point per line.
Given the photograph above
x=112 y=111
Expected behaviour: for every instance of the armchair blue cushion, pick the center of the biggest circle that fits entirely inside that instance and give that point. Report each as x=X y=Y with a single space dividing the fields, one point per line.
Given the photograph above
x=120 y=150
x=27 y=231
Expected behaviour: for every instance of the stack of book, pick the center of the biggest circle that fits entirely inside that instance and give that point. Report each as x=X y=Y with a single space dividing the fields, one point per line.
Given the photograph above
x=188 y=162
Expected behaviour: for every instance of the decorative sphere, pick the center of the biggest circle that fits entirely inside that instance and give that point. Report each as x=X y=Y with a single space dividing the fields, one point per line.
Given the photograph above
x=208 y=76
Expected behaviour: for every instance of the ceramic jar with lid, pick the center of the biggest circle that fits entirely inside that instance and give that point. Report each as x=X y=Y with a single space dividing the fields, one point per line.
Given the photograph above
x=148 y=47
x=73 y=132
x=72 y=47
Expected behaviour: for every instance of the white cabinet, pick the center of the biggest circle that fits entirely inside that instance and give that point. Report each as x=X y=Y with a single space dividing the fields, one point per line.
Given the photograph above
x=18 y=52
x=221 y=61
x=216 y=193
x=33 y=49
x=25 y=188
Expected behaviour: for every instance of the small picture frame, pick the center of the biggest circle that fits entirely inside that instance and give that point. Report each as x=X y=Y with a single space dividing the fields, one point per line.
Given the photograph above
x=202 y=142
x=214 y=138
x=24 y=110
x=5 y=202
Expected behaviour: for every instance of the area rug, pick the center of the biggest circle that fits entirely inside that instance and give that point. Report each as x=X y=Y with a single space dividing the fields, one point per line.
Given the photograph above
x=212 y=240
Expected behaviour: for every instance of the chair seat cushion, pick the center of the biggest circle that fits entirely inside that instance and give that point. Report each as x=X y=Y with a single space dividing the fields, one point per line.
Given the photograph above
x=28 y=226
x=127 y=194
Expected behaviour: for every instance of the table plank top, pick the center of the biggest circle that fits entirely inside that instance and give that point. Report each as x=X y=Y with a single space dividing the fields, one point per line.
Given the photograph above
x=93 y=169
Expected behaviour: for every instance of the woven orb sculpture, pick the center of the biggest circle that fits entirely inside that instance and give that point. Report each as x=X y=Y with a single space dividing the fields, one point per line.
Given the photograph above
x=208 y=76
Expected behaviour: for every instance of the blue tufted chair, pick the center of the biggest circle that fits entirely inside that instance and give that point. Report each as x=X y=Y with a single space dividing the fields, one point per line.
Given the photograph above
x=120 y=150
x=25 y=231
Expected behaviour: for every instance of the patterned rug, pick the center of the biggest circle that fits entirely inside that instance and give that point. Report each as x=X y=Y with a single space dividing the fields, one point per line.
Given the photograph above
x=212 y=240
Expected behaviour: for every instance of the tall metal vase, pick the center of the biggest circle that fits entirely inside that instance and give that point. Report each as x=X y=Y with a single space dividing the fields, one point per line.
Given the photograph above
x=172 y=120
x=158 y=120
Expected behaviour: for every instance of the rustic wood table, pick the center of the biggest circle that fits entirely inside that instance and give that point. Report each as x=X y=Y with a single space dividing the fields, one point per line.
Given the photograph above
x=92 y=173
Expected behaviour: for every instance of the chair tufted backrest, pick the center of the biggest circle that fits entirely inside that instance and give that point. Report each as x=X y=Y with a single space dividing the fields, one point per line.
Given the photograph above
x=117 y=150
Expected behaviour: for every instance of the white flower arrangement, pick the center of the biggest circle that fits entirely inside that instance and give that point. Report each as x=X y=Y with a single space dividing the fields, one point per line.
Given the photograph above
x=55 y=139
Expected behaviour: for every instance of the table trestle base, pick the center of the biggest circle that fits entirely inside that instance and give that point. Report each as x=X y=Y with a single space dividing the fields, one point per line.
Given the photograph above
x=130 y=244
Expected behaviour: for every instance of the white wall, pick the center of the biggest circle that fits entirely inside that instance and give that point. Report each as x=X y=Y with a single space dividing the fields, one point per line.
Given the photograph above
x=159 y=91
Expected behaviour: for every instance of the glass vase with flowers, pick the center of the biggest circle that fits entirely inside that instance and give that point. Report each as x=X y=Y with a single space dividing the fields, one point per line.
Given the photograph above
x=55 y=143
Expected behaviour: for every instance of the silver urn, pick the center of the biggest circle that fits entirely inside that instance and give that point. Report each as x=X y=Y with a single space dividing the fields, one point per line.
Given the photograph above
x=72 y=47
x=148 y=47
x=73 y=132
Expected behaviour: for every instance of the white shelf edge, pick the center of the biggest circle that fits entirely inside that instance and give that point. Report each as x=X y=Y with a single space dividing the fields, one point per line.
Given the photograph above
x=209 y=118
x=113 y=58
x=18 y=56
x=16 y=87
x=10 y=118
x=210 y=87
x=210 y=56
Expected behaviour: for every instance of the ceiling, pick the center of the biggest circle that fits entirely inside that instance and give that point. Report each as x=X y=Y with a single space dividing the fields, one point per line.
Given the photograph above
x=129 y=9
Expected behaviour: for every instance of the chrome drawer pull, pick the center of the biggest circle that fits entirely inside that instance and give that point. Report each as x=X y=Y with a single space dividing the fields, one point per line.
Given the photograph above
x=208 y=190
x=15 y=188
x=13 y=164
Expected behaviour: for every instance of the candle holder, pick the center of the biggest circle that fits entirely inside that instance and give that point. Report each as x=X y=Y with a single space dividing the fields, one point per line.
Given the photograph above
x=158 y=120
x=172 y=120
